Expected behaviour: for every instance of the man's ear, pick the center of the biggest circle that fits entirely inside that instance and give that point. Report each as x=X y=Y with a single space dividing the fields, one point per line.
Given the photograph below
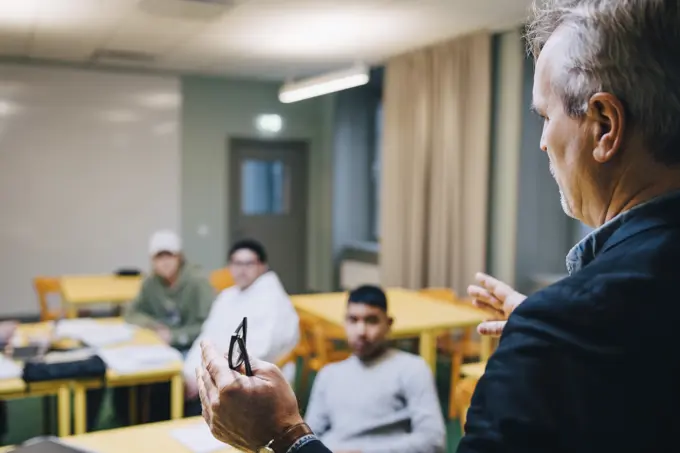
x=607 y=117
x=390 y=321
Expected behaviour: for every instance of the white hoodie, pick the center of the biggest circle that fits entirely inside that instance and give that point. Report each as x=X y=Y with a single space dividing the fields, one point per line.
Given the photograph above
x=273 y=324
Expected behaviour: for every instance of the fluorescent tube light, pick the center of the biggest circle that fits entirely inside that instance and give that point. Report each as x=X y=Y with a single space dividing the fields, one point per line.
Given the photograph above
x=329 y=83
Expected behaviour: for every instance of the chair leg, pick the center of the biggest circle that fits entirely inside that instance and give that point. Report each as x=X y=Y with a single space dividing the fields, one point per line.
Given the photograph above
x=456 y=364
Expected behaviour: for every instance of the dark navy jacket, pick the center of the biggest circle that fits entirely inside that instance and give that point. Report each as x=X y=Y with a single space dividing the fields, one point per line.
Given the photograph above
x=591 y=363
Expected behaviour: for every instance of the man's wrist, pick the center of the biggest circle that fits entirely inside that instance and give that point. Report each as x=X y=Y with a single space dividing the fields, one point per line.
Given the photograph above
x=292 y=439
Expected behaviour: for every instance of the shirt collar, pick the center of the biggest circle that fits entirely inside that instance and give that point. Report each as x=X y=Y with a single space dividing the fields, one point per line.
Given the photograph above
x=590 y=246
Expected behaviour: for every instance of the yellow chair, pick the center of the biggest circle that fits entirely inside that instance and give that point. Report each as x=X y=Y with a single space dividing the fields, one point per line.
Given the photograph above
x=221 y=279
x=318 y=339
x=464 y=391
x=459 y=349
x=44 y=287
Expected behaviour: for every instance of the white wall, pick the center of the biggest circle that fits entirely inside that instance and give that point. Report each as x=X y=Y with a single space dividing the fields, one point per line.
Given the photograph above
x=89 y=168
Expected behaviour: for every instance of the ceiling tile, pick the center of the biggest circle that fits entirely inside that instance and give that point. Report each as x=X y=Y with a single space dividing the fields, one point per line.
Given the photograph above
x=152 y=34
x=72 y=29
x=272 y=39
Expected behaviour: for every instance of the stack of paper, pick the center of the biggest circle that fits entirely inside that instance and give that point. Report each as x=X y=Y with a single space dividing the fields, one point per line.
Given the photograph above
x=94 y=333
x=9 y=369
x=198 y=439
x=133 y=359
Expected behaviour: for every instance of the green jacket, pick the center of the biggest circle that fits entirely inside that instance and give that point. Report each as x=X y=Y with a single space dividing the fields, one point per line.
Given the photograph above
x=182 y=307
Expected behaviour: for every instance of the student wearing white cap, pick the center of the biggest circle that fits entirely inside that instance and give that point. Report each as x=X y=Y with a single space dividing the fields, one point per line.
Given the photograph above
x=175 y=299
x=174 y=302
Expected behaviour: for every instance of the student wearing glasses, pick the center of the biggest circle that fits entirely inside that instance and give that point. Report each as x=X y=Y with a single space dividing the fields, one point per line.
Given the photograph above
x=273 y=325
x=380 y=399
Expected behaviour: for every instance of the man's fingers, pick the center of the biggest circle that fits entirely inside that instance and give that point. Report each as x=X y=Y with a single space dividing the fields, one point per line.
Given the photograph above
x=212 y=392
x=496 y=313
x=494 y=286
x=491 y=328
x=482 y=294
x=216 y=366
x=203 y=396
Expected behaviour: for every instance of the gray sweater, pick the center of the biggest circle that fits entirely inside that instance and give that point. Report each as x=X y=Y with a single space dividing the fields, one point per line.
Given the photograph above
x=387 y=406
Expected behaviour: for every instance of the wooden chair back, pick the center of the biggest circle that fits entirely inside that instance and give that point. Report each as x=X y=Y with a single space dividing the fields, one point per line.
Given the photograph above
x=463 y=397
x=221 y=279
x=44 y=287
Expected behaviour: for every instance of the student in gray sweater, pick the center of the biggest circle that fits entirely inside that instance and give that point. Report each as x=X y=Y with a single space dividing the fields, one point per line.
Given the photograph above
x=380 y=400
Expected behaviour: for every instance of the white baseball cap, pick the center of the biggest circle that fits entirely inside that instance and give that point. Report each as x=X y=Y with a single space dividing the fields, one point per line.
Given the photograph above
x=164 y=241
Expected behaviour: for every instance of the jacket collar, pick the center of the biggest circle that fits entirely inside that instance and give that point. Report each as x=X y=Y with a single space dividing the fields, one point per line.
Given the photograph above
x=657 y=212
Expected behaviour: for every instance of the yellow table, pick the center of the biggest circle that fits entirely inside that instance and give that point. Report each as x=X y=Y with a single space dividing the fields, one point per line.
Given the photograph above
x=171 y=373
x=473 y=370
x=153 y=437
x=17 y=388
x=91 y=289
x=414 y=315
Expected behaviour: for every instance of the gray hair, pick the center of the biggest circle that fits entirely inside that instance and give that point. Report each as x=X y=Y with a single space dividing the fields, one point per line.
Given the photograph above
x=629 y=48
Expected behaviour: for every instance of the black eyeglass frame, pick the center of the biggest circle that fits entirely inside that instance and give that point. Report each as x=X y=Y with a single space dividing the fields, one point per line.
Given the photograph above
x=238 y=338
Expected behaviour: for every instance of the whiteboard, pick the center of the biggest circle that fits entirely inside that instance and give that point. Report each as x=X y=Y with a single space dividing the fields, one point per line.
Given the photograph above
x=89 y=168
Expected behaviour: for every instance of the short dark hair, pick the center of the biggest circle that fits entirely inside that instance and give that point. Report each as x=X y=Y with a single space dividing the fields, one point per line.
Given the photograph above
x=369 y=295
x=249 y=244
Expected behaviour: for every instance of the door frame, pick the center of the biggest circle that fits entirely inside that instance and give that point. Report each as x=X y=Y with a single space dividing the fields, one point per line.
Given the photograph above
x=294 y=145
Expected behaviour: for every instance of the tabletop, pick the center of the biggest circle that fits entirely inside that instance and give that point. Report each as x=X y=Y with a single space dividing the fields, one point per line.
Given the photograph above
x=139 y=439
x=81 y=289
x=413 y=313
x=142 y=337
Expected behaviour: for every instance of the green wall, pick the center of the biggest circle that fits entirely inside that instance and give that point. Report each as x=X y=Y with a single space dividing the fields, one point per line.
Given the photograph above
x=215 y=109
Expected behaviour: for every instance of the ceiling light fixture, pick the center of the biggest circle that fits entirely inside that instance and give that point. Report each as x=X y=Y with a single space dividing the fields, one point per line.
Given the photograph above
x=269 y=123
x=325 y=84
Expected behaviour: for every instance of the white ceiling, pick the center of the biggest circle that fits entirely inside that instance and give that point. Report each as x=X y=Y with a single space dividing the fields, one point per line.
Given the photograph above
x=269 y=39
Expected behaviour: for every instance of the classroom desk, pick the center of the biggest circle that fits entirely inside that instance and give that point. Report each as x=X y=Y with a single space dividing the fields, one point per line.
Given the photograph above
x=17 y=389
x=143 y=337
x=152 y=437
x=473 y=370
x=79 y=290
x=172 y=373
x=414 y=315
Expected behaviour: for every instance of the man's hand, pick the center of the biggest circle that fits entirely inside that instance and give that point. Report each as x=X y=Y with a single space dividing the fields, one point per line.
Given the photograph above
x=164 y=334
x=496 y=298
x=246 y=412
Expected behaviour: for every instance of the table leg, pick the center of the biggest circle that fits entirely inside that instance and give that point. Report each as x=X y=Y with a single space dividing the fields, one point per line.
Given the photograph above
x=486 y=348
x=133 y=405
x=428 y=349
x=63 y=410
x=79 y=409
x=177 y=397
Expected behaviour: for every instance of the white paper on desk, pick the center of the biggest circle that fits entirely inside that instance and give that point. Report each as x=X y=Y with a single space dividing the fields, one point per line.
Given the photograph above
x=94 y=333
x=133 y=359
x=9 y=369
x=199 y=439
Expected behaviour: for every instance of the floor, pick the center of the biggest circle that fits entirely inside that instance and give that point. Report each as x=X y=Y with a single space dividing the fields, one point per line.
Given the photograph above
x=26 y=416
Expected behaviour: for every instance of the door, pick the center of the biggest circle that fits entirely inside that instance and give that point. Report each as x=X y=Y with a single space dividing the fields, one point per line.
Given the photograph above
x=268 y=202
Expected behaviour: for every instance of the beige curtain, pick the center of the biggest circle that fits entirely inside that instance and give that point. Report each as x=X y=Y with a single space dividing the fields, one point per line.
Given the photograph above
x=435 y=173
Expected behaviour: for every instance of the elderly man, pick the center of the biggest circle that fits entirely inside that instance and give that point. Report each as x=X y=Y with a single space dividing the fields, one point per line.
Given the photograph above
x=583 y=365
